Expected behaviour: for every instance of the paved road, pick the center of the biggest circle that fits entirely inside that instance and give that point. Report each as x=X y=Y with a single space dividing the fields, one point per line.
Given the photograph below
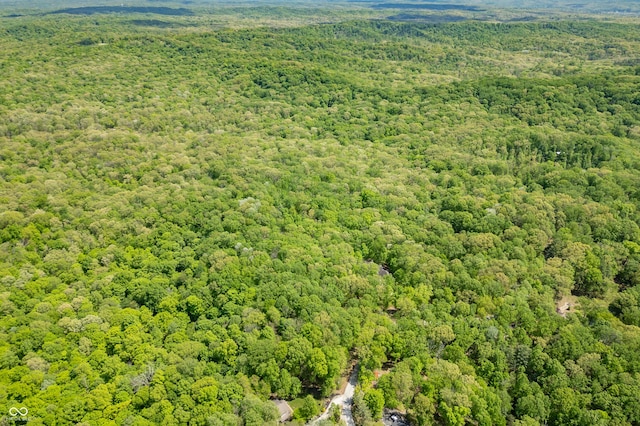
x=344 y=401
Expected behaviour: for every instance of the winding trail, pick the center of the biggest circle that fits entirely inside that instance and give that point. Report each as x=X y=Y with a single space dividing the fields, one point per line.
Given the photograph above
x=344 y=401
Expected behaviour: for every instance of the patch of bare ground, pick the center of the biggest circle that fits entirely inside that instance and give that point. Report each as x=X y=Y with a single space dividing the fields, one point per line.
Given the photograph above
x=566 y=305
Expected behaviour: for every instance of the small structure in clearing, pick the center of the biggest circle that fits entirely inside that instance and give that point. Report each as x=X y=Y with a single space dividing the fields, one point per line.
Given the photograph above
x=285 y=410
x=566 y=305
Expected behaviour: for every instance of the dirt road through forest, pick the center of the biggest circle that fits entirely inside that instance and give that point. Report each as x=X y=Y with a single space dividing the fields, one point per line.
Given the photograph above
x=344 y=401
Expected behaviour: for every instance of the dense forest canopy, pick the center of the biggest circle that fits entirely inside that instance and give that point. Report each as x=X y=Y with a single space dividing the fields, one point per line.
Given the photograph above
x=200 y=215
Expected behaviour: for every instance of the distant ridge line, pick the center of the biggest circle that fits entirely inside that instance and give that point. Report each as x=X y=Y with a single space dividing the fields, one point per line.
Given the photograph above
x=427 y=6
x=90 y=10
